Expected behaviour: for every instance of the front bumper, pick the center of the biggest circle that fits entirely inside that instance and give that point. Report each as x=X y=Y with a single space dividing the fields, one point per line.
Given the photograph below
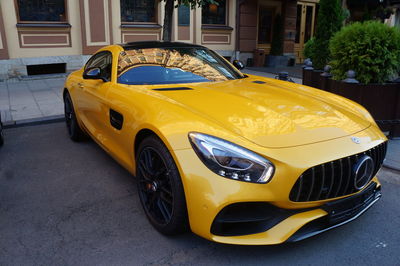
x=208 y=194
x=256 y=217
x=340 y=212
x=279 y=227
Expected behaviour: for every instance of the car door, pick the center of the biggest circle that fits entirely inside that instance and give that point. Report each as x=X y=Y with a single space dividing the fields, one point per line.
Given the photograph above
x=93 y=102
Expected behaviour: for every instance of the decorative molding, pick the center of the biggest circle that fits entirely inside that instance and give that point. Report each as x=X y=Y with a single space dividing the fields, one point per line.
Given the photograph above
x=125 y=34
x=141 y=26
x=215 y=38
x=3 y=39
x=25 y=44
x=217 y=27
x=43 y=25
x=88 y=36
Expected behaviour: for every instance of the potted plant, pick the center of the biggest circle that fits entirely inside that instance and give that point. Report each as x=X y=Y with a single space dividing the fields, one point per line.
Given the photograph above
x=276 y=57
x=365 y=60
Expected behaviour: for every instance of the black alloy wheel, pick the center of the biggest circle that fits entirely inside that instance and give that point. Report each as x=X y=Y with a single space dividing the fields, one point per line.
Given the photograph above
x=160 y=188
x=74 y=131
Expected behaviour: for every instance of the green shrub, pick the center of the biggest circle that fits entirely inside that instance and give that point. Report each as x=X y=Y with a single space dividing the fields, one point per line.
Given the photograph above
x=308 y=51
x=277 y=37
x=330 y=19
x=370 y=48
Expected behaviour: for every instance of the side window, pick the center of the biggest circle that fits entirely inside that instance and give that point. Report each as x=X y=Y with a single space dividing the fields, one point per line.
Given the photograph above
x=102 y=60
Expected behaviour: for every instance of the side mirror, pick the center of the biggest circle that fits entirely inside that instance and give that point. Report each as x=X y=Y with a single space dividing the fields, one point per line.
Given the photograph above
x=93 y=73
x=238 y=64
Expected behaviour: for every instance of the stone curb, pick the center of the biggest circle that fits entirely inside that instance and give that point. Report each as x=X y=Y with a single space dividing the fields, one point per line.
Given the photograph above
x=34 y=121
x=391 y=167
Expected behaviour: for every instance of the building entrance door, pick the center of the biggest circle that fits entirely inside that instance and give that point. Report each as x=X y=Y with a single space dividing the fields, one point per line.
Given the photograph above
x=305 y=26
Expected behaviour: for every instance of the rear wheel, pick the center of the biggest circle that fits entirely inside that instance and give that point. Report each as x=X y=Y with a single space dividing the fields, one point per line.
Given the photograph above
x=160 y=187
x=74 y=131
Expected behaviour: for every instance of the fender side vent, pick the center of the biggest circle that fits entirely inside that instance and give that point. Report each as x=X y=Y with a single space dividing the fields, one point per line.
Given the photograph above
x=174 y=89
x=259 y=82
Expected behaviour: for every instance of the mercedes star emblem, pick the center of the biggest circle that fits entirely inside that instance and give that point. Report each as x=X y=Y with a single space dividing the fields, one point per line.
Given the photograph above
x=363 y=171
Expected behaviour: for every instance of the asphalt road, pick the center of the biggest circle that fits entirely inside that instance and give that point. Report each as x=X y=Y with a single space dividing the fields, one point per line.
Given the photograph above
x=63 y=203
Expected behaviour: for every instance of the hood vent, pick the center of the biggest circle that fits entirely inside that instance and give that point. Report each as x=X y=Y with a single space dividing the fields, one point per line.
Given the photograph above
x=174 y=89
x=259 y=82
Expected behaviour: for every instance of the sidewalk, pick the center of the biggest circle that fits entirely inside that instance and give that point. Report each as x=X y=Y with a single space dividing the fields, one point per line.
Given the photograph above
x=393 y=155
x=294 y=71
x=261 y=72
x=41 y=100
x=31 y=99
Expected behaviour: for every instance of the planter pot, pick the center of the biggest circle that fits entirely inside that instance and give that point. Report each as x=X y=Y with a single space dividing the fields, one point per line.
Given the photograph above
x=276 y=61
x=312 y=78
x=381 y=100
x=316 y=78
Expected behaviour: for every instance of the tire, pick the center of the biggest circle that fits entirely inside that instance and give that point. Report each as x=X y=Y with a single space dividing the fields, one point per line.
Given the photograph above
x=160 y=188
x=74 y=130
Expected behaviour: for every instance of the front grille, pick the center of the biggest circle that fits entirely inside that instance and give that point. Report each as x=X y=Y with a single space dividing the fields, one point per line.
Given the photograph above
x=333 y=179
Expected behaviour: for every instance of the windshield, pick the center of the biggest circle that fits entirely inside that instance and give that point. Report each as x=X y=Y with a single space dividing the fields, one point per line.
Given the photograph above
x=173 y=65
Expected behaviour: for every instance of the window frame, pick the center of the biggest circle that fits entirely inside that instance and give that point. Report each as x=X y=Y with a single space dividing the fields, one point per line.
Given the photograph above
x=227 y=2
x=86 y=67
x=19 y=21
x=156 y=16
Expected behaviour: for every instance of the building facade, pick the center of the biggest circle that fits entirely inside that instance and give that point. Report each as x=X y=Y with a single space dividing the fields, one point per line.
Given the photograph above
x=257 y=18
x=61 y=34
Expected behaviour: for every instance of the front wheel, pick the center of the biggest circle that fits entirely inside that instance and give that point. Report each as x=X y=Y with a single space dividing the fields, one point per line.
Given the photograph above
x=74 y=131
x=160 y=187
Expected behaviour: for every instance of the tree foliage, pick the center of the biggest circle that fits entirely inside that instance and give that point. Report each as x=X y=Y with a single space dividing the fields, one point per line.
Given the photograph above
x=370 y=48
x=330 y=18
x=308 y=51
x=170 y=5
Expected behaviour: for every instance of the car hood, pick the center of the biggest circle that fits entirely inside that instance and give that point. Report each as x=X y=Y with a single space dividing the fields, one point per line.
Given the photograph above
x=270 y=113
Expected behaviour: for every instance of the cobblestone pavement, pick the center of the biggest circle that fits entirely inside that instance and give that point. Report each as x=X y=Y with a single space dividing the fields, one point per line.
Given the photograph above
x=72 y=204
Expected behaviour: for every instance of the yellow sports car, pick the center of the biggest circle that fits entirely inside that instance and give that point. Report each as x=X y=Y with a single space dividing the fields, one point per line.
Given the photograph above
x=235 y=158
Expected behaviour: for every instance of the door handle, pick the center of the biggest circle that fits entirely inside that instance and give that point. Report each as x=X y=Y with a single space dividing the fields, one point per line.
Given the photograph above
x=80 y=84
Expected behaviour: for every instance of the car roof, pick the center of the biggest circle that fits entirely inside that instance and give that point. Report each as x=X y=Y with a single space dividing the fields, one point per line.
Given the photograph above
x=158 y=44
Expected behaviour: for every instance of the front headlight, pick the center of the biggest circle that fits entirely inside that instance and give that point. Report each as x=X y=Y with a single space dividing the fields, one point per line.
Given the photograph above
x=230 y=160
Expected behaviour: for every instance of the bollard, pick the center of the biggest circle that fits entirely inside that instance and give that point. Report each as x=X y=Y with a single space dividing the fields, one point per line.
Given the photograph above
x=305 y=62
x=283 y=75
x=309 y=65
x=327 y=72
x=351 y=77
x=325 y=79
x=307 y=73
